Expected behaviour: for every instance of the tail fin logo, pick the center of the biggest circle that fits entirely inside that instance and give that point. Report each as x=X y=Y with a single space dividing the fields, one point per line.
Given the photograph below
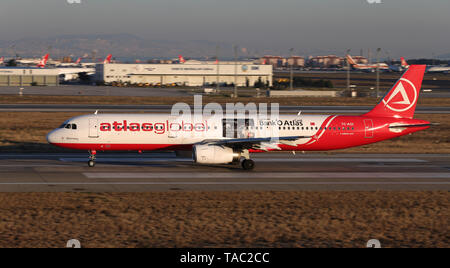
x=403 y=97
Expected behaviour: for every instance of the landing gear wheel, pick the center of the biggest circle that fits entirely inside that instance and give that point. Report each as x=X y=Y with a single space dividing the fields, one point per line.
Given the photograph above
x=92 y=158
x=248 y=164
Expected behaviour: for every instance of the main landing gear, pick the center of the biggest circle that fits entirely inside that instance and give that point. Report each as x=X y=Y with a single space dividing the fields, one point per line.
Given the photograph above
x=92 y=158
x=247 y=163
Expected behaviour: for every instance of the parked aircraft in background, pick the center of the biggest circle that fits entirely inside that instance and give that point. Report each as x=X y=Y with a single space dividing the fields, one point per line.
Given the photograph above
x=403 y=66
x=366 y=67
x=44 y=61
x=32 y=61
x=71 y=64
x=221 y=139
x=73 y=73
x=108 y=59
x=438 y=69
x=2 y=60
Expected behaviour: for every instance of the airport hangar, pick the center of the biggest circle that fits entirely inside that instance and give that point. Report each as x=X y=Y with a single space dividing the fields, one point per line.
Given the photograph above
x=22 y=77
x=188 y=74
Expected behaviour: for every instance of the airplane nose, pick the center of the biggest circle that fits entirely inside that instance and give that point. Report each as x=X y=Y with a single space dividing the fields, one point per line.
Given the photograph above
x=51 y=137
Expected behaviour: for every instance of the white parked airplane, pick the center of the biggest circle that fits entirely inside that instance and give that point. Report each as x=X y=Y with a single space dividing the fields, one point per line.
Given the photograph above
x=438 y=69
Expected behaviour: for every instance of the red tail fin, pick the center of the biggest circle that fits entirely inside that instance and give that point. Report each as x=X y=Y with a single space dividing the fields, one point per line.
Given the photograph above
x=78 y=61
x=43 y=61
x=182 y=60
x=404 y=63
x=401 y=100
x=108 y=59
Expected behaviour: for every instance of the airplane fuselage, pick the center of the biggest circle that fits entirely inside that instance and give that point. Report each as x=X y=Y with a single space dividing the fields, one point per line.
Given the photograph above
x=119 y=132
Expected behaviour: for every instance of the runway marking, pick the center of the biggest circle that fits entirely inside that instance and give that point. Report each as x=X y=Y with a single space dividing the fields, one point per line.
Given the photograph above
x=223 y=183
x=246 y=175
x=289 y=160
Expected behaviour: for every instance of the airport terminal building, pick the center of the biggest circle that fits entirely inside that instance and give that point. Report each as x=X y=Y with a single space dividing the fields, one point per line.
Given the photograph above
x=21 y=77
x=192 y=75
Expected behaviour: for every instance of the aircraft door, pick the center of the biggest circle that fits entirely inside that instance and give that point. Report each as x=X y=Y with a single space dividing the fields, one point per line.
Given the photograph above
x=238 y=128
x=93 y=128
x=368 y=128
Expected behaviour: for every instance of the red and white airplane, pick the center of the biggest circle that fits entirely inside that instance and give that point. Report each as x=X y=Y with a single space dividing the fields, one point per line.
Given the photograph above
x=72 y=64
x=44 y=61
x=108 y=59
x=404 y=63
x=400 y=68
x=223 y=140
x=2 y=60
x=181 y=59
x=366 y=67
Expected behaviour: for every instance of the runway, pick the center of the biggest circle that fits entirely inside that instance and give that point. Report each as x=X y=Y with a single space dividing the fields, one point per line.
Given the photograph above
x=274 y=172
x=88 y=108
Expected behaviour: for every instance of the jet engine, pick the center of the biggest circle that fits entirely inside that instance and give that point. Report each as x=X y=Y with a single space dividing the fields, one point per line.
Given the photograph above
x=215 y=155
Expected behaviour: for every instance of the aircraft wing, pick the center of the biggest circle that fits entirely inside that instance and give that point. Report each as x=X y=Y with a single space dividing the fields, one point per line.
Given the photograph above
x=256 y=143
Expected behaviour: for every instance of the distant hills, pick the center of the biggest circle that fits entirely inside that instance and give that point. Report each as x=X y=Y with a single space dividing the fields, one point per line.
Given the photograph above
x=123 y=45
x=128 y=47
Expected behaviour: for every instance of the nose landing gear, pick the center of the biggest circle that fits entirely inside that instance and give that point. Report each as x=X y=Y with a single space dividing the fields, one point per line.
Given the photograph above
x=92 y=158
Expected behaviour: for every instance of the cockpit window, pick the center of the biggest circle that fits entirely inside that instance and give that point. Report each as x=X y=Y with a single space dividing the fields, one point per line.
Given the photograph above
x=68 y=126
x=74 y=126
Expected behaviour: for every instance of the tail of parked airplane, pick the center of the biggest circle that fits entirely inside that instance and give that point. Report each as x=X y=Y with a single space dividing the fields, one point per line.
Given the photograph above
x=78 y=61
x=401 y=100
x=351 y=61
x=44 y=61
x=404 y=63
x=2 y=60
x=182 y=60
x=108 y=59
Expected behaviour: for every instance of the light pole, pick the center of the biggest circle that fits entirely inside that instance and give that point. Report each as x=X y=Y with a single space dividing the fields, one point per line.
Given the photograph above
x=235 y=95
x=348 y=69
x=218 y=69
x=292 y=69
x=378 y=72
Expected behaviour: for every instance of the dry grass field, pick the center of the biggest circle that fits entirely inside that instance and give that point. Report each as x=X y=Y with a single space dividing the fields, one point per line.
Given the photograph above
x=228 y=219
x=27 y=132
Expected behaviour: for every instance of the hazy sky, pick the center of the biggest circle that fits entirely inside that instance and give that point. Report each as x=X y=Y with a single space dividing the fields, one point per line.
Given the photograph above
x=404 y=27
